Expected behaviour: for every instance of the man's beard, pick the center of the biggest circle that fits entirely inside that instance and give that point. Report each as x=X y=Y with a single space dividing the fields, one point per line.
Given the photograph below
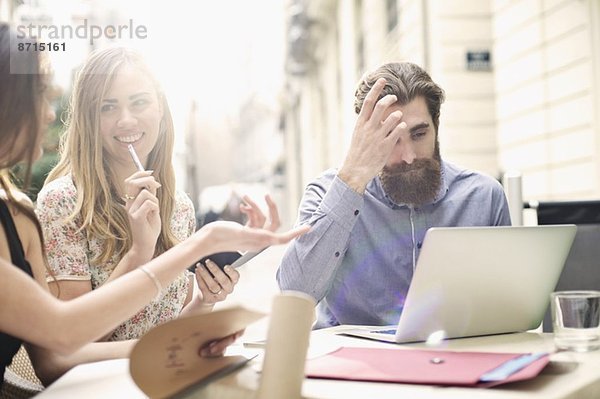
x=414 y=184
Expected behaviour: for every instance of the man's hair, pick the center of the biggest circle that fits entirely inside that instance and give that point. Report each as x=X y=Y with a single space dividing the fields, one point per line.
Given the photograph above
x=406 y=81
x=83 y=157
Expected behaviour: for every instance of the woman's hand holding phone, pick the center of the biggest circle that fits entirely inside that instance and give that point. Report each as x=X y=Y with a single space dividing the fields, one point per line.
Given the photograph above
x=215 y=283
x=216 y=274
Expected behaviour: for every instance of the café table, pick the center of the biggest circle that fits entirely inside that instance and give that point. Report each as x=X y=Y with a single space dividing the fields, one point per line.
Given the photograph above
x=568 y=375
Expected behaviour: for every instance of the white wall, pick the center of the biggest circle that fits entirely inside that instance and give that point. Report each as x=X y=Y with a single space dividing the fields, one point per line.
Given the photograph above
x=5 y=10
x=468 y=117
x=545 y=85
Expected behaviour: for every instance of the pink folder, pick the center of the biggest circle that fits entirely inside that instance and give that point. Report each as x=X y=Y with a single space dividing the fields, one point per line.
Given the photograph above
x=432 y=367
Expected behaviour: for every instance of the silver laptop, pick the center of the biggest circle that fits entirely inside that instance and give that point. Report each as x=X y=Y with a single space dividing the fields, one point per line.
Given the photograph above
x=472 y=281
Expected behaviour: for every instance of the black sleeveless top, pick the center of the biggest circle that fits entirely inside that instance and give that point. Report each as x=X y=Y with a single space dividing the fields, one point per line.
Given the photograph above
x=9 y=345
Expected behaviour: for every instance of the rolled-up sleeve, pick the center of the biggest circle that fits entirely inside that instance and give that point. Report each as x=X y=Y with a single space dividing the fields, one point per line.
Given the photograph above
x=310 y=262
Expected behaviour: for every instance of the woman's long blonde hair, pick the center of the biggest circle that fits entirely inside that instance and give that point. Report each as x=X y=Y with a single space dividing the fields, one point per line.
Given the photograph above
x=98 y=205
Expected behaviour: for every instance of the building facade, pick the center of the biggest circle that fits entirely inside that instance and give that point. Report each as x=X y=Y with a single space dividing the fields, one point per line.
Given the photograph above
x=521 y=80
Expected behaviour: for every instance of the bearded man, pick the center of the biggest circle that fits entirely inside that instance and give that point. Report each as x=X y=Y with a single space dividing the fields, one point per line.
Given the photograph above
x=369 y=217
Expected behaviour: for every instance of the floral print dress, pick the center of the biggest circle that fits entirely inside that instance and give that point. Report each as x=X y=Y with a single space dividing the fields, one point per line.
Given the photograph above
x=69 y=252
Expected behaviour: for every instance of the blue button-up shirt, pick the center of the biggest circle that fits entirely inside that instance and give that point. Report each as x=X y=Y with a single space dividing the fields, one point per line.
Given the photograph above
x=358 y=258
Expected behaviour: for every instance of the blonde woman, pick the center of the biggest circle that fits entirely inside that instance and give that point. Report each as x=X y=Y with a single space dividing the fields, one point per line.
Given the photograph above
x=58 y=331
x=89 y=207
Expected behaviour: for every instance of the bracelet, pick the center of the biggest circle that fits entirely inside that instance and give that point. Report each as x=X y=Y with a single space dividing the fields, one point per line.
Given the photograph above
x=156 y=282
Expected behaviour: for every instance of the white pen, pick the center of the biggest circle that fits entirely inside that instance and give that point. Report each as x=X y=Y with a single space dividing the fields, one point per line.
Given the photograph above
x=135 y=158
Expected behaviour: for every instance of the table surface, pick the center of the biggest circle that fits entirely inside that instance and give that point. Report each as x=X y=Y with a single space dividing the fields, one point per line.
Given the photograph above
x=569 y=375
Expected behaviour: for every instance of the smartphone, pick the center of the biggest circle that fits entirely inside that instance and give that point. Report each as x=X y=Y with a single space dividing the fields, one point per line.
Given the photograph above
x=222 y=259
x=234 y=259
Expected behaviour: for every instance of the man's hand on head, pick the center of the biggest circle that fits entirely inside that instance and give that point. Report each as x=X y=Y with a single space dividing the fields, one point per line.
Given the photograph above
x=373 y=139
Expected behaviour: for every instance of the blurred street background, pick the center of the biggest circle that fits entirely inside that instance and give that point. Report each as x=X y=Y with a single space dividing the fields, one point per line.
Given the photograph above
x=262 y=91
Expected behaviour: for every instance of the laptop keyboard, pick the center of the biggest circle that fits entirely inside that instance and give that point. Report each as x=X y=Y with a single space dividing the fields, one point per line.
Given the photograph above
x=392 y=331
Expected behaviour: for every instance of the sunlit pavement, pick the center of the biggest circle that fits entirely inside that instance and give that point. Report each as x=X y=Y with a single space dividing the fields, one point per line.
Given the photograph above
x=256 y=288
